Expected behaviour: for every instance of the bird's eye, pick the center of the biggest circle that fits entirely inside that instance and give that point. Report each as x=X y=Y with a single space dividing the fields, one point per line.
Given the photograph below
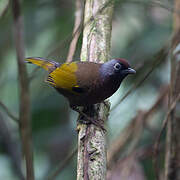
x=117 y=66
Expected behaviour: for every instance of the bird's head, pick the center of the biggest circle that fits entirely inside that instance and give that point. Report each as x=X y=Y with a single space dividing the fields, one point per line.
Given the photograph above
x=117 y=68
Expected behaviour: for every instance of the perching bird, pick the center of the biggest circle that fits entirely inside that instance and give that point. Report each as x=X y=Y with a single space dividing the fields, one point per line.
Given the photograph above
x=85 y=83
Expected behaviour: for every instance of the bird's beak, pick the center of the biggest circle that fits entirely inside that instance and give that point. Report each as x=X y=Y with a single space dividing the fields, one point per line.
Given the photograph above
x=131 y=71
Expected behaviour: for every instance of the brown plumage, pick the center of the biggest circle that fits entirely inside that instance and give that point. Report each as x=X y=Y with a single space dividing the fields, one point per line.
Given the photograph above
x=85 y=83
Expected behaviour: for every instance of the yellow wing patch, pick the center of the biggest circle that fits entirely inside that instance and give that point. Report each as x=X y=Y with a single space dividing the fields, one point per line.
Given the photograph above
x=64 y=76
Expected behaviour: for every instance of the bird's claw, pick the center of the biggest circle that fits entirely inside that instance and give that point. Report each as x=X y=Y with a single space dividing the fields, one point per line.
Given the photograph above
x=89 y=120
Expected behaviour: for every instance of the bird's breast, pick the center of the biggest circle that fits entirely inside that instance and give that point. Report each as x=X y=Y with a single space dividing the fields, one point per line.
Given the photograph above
x=91 y=88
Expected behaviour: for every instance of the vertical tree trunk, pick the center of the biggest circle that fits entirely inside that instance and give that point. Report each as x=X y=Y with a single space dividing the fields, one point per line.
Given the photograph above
x=172 y=167
x=95 y=48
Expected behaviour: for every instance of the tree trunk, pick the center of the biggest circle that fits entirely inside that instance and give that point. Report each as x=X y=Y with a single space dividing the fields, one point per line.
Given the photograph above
x=96 y=46
x=172 y=164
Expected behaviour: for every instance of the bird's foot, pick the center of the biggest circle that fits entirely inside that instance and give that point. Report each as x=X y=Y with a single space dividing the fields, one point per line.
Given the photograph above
x=107 y=104
x=99 y=123
x=88 y=120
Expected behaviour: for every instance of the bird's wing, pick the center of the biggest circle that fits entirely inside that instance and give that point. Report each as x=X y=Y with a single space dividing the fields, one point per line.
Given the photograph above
x=64 y=77
x=75 y=77
x=88 y=75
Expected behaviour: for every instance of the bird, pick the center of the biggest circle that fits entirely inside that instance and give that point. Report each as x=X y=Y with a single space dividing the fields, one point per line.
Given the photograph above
x=84 y=83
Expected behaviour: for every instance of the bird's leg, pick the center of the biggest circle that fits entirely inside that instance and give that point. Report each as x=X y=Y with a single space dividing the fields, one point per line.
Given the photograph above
x=88 y=119
x=106 y=104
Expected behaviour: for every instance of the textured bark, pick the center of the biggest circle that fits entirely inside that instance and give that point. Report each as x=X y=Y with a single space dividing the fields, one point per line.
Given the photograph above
x=95 y=48
x=97 y=30
x=172 y=164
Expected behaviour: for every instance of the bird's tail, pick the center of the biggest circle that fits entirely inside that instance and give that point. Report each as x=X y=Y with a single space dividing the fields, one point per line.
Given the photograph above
x=48 y=65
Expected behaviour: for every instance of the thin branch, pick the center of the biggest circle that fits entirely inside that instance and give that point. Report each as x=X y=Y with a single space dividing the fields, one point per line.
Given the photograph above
x=142 y=117
x=62 y=165
x=12 y=116
x=24 y=114
x=158 y=59
x=156 y=145
x=69 y=37
x=120 y=142
x=163 y=93
x=172 y=155
x=77 y=29
x=11 y=147
x=155 y=3
x=4 y=5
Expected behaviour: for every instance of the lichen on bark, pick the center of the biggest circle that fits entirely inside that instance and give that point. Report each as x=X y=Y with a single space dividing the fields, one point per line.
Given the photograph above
x=91 y=163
